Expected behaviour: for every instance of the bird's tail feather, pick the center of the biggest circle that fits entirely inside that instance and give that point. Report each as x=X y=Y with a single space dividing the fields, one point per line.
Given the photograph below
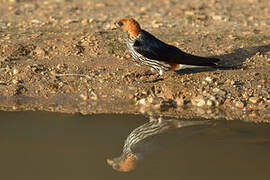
x=210 y=62
x=201 y=61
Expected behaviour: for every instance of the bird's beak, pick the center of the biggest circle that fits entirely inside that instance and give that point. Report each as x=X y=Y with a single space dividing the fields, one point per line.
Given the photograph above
x=110 y=162
x=116 y=26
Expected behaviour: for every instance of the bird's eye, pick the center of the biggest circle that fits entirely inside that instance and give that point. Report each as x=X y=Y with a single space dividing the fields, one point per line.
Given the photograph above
x=116 y=166
x=120 y=23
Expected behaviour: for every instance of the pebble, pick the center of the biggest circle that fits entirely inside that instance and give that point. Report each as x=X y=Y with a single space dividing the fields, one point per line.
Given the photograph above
x=179 y=101
x=3 y=83
x=2 y=59
x=155 y=24
x=93 y=96
x=204 y=82
x=254 y=100
x=141 y=101
x=100 y=5
x=35 y=21
x=209 y=102
x=15 y=81
x=15 y=71
x=231 y=82
x=84 y=97
x=128 y=56
x=61 y=84
x=87 y=21
x=198 y=101
x=209 y=79
x=239 y=104
x=39 y=51
x=189 y=13
x=219 y=91
x=220 y=17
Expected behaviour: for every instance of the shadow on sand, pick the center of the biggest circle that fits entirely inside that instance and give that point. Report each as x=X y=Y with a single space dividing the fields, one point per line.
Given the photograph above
x=234 y=60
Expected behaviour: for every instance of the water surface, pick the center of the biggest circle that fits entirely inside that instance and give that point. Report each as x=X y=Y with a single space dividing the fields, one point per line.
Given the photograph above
x=41 y=145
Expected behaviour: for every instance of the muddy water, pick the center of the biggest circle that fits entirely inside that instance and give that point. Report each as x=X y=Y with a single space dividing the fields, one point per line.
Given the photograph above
x=39 y=145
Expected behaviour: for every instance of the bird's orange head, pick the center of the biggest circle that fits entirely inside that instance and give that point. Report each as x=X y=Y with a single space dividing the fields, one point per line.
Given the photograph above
x=129 y=25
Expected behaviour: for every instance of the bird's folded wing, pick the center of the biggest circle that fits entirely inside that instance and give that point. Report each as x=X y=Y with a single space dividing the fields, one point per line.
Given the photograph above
x=152 y=48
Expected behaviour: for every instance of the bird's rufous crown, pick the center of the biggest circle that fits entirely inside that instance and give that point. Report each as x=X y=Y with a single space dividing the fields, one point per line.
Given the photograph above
x=129 y=25
x=124 y=165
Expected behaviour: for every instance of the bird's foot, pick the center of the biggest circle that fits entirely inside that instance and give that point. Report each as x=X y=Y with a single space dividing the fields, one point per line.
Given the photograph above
x=161 y=72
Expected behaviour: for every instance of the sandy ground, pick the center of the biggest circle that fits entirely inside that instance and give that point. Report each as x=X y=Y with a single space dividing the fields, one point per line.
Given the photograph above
x=43 y=42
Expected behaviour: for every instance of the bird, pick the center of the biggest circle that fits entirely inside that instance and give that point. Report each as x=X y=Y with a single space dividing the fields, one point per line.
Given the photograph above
x=135 y=146
x=148 y=50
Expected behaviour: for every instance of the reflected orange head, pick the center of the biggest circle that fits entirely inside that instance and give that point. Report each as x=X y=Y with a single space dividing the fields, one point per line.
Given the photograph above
x=124 y=165
x=129 y=25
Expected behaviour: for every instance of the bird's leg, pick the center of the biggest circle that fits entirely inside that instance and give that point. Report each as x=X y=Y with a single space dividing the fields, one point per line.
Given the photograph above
x=161 y=72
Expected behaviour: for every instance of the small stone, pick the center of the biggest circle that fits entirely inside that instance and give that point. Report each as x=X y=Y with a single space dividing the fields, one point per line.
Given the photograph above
x=84 y=97
x=2 y=59
x=69 y=21
x=220 y=17
x=3 y=83
x=189 y=13
x=101 y=80
x=15 y=71
x=100 y=5
x=209 y=102
x=141 y=101
x=39 y=51
x=35 y=21
x=204 y=82
x=254 y=100
x=53 y=72
x=7 y=69
x=85 y=21
x=155 y=24
x=253 y=114
x=61 y=84
x=219 y=92
x=15 y=81
x=179 y=101
x=209 y=79
x=109 y=26
x=156 y=106
x=34 y=69
x=128 y=56
x=93 y=96
x=252 y=1
x=58 y=66
x=239 y=104
x=213 y=98
x=198 y=101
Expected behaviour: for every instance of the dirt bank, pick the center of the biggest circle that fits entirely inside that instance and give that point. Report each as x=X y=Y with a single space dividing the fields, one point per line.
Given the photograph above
x=43 y=42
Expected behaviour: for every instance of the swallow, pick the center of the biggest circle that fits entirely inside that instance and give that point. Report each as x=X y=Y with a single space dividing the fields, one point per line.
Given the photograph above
x=147 y=50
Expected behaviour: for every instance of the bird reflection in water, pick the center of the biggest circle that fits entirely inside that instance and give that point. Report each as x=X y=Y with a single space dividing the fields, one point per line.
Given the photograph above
x=140 y=137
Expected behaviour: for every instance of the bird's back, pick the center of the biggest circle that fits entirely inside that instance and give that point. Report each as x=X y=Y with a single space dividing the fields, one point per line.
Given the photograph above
x=152 y=48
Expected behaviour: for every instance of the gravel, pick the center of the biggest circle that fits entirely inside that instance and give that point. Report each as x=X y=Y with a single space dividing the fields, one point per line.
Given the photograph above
x=66 y=56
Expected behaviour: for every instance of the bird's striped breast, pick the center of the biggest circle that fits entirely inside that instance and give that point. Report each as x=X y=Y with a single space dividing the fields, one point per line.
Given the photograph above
x=161 y=65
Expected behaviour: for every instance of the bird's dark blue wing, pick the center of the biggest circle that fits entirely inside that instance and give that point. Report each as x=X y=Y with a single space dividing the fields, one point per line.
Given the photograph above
x=152 y=48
